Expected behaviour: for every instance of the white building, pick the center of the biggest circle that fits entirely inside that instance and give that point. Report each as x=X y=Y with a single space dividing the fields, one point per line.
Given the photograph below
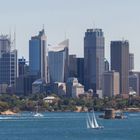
x=73 y=88
x=49 y=99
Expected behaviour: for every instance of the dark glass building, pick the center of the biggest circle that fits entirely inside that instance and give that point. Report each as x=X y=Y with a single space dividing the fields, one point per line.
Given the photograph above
x=93 y=59
x=80 y=70
x=72 y=66
x=21 y=66
x=120 y=62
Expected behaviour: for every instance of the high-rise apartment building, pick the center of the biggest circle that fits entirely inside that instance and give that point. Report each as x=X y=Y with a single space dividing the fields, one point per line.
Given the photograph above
x=38 y=56
x=120 y=62
x=58 y=62
x=93 y=59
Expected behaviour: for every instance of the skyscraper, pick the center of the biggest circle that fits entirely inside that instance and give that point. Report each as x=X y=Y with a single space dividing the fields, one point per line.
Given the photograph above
x=38 y=56
x=8 y=61
x=58 y=62
x=93 y=59
x=120 y=62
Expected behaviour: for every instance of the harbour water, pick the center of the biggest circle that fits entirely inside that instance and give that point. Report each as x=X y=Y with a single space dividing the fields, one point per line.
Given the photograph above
x=67 y=126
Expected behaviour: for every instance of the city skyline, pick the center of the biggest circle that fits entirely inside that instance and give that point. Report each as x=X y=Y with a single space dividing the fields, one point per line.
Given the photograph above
x=64 y=19
x=69 y=69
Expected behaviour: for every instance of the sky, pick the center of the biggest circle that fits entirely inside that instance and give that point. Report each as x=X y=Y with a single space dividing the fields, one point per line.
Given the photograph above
x=119 y=19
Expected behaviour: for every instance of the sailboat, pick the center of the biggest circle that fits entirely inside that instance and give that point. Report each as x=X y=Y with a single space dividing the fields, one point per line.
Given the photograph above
x=92 y=122
x=37 y=114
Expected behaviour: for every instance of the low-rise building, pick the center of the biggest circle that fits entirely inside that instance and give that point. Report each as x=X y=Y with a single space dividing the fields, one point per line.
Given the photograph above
x=39 y=86
x=57 y=88
x=49 y=99
x=3 y=88
x=74 y=88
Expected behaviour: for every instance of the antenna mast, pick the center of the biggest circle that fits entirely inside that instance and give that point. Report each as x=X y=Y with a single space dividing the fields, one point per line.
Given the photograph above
x=14 y=41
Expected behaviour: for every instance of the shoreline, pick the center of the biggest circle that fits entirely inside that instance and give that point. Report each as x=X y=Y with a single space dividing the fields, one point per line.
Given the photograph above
x=125 y=110
x=7 y=112
x=131 y=109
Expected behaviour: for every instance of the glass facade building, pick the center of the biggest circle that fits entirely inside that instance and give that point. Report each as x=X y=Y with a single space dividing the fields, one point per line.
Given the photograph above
x=37 y=56
x=8 y=62
x=93 y=59
x=58 y=62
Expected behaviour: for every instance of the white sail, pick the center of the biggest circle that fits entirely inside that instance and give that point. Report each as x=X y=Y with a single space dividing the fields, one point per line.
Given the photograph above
x=89 y=121
x=92 y=122
x=88 y=125
x=95 y=121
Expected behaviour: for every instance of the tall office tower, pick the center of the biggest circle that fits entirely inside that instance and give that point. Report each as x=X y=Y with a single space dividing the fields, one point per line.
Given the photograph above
x=93 y=59
x=111 y=83
x=8 y=62
x=131 y=61
x=72 y=66
x=120 y=62
x=80 y=70
x=37 y=56
x=106 y=64
x=58 y=62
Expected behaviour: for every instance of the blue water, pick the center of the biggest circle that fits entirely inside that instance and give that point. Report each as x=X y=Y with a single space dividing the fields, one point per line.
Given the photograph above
x=67 y=126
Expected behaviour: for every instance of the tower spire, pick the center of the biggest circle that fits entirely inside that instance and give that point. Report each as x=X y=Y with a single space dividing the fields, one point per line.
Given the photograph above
x=14 y=41
x=43 y=27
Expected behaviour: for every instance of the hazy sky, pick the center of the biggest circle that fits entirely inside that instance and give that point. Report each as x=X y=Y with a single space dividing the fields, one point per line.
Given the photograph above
x=118 y=18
